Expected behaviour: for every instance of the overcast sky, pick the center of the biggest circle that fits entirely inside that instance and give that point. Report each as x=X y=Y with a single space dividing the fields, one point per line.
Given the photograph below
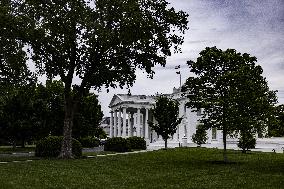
x=249 y=26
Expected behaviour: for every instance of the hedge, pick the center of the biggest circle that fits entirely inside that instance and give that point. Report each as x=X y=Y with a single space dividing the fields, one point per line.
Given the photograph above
x=117 y=144
x=89 y=142
x=137 y=143
x=51 y=147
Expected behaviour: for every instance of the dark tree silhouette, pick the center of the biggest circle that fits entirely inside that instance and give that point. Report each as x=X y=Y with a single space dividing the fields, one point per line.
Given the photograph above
x=101 y=42
x=166 y=113
x=231 y=91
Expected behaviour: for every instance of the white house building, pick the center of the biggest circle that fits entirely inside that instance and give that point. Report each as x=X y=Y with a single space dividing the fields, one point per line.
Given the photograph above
x=130 y=115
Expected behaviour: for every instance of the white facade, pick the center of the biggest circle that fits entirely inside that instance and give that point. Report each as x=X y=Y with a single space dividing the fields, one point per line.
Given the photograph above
x=130 y=115
x=136 y=111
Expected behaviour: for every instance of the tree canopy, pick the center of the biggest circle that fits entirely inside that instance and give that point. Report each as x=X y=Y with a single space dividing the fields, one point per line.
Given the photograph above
x=13 y=67
x=166 y=113
x=99 y=42
x=230 y=89
x=30 y=113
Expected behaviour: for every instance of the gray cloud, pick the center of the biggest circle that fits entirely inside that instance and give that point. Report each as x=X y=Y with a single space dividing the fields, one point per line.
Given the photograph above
x=249 y=26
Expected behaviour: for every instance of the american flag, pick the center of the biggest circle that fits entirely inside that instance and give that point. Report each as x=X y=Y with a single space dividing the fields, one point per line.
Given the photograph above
x=177 y=67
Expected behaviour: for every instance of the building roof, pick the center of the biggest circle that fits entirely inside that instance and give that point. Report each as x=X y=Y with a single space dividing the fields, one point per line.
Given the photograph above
x=131 y=99
x=120 y=99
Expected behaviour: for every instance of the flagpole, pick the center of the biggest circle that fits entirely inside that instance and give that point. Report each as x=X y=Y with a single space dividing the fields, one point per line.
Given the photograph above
x=180 y=80
x=178 y=72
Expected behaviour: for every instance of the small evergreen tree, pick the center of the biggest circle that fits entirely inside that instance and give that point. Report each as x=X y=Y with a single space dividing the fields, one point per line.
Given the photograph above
x=246 y=142
x=166 y=114
x=200 y=137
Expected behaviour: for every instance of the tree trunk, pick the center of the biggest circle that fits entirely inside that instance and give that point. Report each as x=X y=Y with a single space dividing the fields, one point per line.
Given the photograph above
x=66 y=148
x=14 y=144
x=166 y=143
x=225 y=144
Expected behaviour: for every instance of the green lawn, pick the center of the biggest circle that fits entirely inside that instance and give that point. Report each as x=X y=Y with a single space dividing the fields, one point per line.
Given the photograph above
x=176 y=168
x=9 y=149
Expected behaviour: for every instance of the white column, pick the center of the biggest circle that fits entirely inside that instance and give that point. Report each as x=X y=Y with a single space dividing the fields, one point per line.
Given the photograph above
x=146 y=124
x=119 y=123
x=124 y=123
x=134 y=133
x=111 y=125
x=129 y=125
x=132 y=122
x=138 y=126
x=115 y=124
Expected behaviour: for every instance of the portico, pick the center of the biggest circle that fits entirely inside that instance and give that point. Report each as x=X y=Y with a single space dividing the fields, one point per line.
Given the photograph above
x=130 y=115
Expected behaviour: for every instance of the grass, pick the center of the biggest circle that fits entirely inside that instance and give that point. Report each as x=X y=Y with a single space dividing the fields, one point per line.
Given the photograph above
x=175 y=168
x=10 y=150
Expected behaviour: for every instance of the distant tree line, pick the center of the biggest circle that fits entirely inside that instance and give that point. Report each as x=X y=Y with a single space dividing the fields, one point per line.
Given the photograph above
x=33 y=111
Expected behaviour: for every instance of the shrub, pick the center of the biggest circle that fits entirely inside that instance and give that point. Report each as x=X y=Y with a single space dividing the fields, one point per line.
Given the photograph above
x=246 y=142
x=200 y=137
x=89 y=142
x=51 y=146
x=137 y=143
x=117 y=144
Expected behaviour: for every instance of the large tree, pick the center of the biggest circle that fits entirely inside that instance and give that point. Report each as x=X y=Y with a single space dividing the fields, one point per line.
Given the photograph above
x=230 y=89
x=99 y=42
x=166 y=113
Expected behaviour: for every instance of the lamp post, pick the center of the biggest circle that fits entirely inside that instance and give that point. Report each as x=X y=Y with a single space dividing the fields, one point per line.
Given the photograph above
x=177 y=68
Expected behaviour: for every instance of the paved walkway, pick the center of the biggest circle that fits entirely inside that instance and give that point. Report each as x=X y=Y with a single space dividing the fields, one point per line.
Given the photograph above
x=88 y=150
x=120 y=153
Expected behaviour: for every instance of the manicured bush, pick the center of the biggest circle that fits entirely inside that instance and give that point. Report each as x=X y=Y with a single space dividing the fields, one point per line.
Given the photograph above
x=89 y=142
x=117 y=144
x=51 y=146
x=137 y=143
